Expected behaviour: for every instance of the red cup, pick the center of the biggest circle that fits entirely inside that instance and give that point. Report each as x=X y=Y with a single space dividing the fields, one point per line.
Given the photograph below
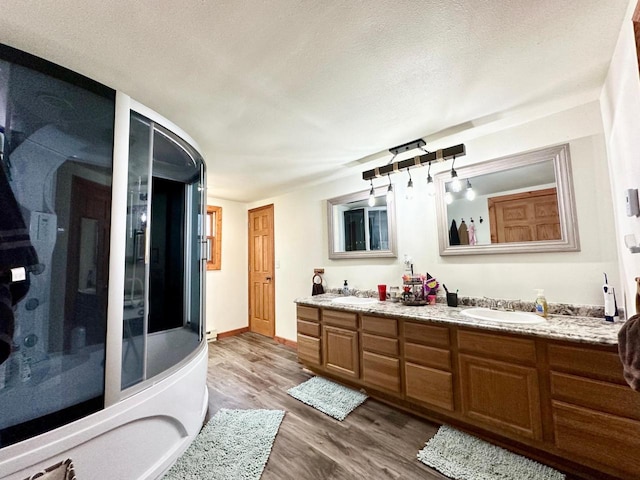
x=382 y=292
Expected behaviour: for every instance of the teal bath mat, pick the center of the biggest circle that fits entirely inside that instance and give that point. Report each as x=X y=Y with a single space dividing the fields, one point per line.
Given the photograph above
x=331 y=398
x=464 y=457
x=235 y=444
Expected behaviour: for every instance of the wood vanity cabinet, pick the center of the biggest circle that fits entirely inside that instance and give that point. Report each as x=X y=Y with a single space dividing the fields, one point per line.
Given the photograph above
x=380 y=353
x=340 y=346
x=428 y=376
x=499 y=383
x=564 y=403
x=309 y=343
x=596 y=416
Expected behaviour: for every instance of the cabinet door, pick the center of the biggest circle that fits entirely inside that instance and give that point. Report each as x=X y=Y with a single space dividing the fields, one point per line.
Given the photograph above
x=341 y=355
x=429 y=386
x=501 y=395
x=309 y=349
x=381 y=371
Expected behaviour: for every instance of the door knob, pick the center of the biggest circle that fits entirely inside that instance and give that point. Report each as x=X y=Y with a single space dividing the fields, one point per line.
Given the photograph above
x=269 y=278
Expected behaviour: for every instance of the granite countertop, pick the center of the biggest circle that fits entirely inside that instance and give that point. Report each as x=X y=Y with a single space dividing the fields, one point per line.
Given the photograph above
x=561 y=327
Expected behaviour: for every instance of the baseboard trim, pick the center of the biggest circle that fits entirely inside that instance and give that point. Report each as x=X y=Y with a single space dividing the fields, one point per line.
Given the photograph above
x=286 y=342
x=232 y=333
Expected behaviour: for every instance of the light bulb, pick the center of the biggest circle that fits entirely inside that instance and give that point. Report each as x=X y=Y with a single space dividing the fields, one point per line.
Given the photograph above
x=456 y=185
x=372 y=198
x=448 y=197
x=470 y=193
x=390 y=193
x=431 y=187
x=410 y=190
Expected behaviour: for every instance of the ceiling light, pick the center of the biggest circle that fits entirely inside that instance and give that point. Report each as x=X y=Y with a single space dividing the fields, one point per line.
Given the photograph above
x=448 y=197
x=409 y=187
x=431 y=187
x=470 y=193
x=372 y=196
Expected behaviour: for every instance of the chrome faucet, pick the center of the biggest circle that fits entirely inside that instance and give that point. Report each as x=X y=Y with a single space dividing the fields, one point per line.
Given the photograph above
x=507 y=305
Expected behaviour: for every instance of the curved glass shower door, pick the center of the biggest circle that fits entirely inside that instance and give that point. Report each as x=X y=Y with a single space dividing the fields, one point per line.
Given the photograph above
x=164 y=265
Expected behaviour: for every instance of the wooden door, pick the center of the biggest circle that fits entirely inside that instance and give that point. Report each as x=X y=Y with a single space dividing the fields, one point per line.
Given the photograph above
x=261 y=277
x=525 y=217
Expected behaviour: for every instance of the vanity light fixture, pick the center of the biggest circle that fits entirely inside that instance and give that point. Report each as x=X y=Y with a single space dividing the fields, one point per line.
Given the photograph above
x=417 y=161
x=431 y=187
x=372 y=196
x=409 y=187
x=470 y=193
x=456 y=185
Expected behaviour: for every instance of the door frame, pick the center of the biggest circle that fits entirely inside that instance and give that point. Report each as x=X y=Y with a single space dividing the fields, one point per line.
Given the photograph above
x=273 y=279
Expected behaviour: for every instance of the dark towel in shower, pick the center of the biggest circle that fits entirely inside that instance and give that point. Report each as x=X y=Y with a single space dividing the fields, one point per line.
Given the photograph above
x=454 y=238
x=629 y=351
x=15 y=251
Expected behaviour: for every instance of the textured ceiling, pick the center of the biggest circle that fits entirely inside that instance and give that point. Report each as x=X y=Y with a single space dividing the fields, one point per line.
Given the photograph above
x=279 y=92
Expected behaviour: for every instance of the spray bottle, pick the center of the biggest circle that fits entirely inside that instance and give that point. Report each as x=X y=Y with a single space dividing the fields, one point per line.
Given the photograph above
x=610 y=304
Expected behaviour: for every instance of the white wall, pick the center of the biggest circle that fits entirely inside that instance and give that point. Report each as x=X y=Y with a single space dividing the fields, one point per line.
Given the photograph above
x=576 y=277
x=620 y=101
x=227 y=297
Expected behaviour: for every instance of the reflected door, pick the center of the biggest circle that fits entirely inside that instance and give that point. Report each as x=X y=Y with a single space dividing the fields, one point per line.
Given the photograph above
x=261 y=284
x=87 y=279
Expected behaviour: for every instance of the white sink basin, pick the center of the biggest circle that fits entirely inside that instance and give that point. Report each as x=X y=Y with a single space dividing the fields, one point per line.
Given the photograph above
x=354 y=300
x=501 y=316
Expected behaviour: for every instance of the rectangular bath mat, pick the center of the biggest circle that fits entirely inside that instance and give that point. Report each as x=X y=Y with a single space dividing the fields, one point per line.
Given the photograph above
x=464 y=457
x=331 y=398
x=234 y=444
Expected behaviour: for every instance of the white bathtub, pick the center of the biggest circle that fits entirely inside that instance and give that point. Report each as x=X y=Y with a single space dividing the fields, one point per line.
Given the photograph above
x=138 y=438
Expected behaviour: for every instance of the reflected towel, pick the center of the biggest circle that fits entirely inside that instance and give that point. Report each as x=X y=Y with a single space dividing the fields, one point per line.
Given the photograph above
x=454 y=238
x=463 y=234
x=472 y=234
x=629 y=351
x=6 y=322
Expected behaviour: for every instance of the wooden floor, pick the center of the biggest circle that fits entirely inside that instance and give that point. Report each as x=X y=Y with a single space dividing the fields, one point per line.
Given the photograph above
x=374 y=442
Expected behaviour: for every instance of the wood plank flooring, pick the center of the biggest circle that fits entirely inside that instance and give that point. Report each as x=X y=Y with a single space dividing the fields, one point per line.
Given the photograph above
x=374 y=442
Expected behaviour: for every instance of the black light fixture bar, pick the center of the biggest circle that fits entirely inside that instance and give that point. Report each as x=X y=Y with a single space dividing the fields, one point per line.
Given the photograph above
x=420 y=160
x=408 y=146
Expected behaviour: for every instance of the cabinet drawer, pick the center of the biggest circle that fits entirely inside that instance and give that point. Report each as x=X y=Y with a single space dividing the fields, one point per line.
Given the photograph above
x=427 y=334
x=501 y=395
x=310 y=314
x=600 y=437
x=340 y=319
x=309 y=349
x=309 y=328
x=595 y=394
x=381 y=371
x=429 y=356
x=380 y=326
x=429 y=386
x=590 y=361
x=383 y=345
x=508 y=348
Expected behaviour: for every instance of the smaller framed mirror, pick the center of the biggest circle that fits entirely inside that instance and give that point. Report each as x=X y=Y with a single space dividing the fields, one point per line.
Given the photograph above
x=360 y=230
x=522 y=203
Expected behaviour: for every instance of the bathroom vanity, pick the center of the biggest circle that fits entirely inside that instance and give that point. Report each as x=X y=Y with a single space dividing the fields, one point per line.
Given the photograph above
x=552 y=391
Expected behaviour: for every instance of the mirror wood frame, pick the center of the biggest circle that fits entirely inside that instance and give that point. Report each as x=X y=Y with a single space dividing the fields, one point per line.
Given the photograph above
x=392 y=252
x=569 y=241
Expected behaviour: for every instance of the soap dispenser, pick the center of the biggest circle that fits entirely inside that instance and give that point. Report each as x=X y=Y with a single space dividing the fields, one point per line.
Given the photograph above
x=541 y=304
x=345 y=288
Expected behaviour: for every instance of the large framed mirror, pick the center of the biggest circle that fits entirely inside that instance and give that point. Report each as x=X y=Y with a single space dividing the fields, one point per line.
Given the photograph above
x=522 y=203
x=359 y=228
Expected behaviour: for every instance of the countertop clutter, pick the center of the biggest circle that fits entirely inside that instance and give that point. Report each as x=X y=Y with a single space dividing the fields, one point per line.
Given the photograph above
x=560 y=327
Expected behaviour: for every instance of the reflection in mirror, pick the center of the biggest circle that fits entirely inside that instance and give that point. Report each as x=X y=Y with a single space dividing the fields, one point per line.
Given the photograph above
x=521 y=203
x=358 y=230
x=88 y=255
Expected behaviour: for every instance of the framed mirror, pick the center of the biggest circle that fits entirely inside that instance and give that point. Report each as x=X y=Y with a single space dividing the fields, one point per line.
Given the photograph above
x=360 y=230
x=522 y=203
